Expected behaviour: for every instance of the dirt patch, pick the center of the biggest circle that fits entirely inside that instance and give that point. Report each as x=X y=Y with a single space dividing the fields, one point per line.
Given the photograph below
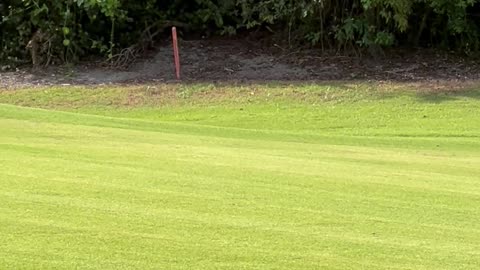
x=241 y=61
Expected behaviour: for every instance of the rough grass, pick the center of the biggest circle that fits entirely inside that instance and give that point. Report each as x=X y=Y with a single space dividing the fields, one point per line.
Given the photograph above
x=243 y=177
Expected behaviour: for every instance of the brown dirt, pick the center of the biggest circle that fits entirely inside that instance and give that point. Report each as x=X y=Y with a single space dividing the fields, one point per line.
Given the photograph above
x=242 y=61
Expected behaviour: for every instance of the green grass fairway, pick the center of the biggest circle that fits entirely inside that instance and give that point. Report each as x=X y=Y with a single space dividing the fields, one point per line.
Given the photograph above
x=240 y=177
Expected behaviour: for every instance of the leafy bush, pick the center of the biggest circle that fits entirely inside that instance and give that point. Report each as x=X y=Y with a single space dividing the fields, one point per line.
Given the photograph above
x=69 y=29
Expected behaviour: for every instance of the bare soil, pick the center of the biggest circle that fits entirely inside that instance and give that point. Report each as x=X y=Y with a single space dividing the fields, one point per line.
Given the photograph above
x=242 y=61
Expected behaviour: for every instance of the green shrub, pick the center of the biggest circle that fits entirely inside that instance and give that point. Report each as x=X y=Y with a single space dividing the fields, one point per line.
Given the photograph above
x=76 y=28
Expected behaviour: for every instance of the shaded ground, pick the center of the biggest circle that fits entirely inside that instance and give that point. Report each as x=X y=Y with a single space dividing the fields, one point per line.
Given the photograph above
x=224 y=60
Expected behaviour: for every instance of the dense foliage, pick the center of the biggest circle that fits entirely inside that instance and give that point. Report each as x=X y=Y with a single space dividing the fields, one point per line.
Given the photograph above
x=68 y=29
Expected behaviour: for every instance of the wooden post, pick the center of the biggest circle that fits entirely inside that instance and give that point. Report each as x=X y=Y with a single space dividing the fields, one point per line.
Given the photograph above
x=176 y=52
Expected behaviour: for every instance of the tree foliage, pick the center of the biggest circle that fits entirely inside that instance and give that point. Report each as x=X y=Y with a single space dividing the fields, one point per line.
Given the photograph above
x=75 y=28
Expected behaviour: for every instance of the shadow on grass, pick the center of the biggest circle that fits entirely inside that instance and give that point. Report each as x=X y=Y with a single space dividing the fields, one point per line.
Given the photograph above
x=445 y=96
x=367 y=89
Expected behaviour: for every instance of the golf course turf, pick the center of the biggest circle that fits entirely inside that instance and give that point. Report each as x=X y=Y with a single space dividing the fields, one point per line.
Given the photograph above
x=239 y=177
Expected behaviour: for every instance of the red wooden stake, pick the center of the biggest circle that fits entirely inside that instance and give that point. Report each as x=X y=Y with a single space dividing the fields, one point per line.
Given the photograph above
x=176 y=52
